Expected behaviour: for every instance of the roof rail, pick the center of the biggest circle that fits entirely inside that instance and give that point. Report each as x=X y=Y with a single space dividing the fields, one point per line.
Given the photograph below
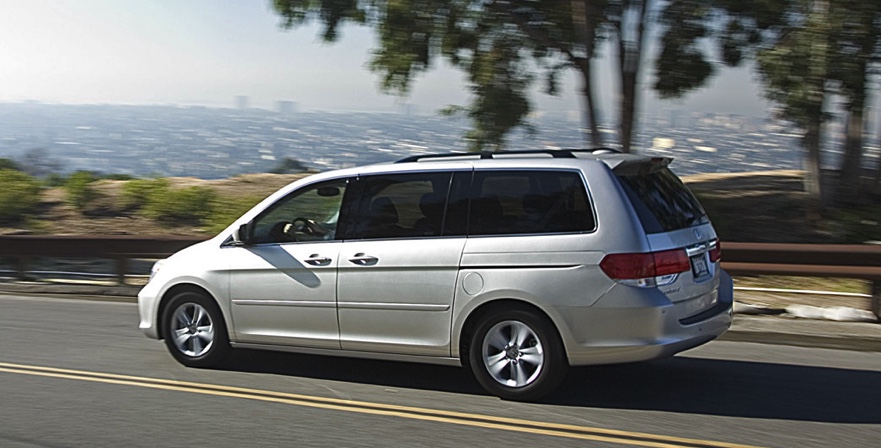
x=555 y=153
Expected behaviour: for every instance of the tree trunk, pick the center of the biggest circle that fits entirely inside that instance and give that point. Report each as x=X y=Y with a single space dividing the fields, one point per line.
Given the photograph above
x=817 y=76
x=848 y=190
x=850 y=180
x=589 y=111
x=813 y=182
x=878 y=167
x=629 y=62
x=585 y=22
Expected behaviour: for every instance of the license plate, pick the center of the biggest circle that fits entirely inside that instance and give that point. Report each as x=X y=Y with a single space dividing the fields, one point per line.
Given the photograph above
x=699 y=266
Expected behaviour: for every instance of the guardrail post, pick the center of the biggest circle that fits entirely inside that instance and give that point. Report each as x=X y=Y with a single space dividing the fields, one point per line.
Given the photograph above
x=876 y=298
x=21 y=267
x=121 y=269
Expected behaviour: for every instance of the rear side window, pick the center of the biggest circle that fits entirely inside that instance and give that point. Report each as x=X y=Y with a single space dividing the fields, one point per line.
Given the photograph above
x=522 y=202
x=662 y=201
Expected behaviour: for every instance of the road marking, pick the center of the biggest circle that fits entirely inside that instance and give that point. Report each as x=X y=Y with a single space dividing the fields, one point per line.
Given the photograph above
x=362 y=407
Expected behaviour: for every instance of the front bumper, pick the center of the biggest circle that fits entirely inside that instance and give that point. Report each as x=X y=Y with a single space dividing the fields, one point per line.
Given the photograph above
x=148 y=299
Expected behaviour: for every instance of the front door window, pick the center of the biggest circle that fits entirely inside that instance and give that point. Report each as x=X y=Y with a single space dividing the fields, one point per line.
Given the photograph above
x=310 y=214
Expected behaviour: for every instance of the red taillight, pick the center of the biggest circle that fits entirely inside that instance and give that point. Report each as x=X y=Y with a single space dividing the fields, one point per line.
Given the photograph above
x=716 y=252
x=645 y=265
x=628 y=266
x=671 y=262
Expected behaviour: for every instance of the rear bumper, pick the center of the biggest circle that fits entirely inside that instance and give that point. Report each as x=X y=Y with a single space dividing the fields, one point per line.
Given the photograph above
x=646 y=327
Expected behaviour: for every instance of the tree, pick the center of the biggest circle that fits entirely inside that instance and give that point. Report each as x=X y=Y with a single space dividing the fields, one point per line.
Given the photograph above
x=857 y=39
x=7 y=164
x=628 y=20
x=795 y=67
x=19 y=196
x=499 y=44
x=814 y=54
x=289 y=166
x=79 y=189
x=808 y=53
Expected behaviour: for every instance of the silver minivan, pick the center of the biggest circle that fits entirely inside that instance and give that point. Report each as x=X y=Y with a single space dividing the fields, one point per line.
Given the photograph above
x=515 y=264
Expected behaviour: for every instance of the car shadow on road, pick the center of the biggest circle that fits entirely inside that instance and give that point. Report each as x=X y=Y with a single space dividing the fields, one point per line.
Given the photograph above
x=352 y=370
x=729 y=388
x=679 y=385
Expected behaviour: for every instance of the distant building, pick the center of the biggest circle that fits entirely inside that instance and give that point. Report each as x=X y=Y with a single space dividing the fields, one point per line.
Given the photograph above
x=242 y=102
x=286 y=107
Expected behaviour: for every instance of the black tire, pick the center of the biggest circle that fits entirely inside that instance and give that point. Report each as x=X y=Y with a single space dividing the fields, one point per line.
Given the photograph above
x=517 y=354
x=194 y=330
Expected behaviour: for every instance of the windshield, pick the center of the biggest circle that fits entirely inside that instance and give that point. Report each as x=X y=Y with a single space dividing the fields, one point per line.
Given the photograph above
x=662 y=201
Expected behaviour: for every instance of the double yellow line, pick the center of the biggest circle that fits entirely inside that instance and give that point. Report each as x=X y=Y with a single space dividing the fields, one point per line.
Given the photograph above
x=361 y=407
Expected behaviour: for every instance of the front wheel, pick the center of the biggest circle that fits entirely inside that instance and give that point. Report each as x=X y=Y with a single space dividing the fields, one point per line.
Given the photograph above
x=517 y=355
x=194 y=330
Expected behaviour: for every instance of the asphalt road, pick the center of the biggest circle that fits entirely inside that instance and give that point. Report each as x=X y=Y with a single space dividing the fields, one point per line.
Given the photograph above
x=78 y=373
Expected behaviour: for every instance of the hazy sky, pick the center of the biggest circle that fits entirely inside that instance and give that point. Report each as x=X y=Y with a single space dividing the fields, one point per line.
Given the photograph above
x=209 y=51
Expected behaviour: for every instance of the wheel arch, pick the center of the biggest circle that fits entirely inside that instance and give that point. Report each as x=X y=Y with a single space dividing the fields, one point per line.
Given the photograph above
x=175 y=290
x=481 y=311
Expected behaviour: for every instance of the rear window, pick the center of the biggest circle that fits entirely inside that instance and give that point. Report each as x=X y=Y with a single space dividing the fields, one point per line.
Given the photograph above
x=662 y=201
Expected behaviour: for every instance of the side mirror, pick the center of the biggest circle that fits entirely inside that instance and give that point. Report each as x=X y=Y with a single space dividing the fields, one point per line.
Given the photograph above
x=242 y=235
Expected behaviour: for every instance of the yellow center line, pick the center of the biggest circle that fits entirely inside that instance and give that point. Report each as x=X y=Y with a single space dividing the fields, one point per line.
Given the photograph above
x=362 y=407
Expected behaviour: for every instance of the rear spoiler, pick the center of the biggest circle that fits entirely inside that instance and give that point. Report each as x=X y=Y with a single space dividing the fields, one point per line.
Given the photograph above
x=641 y=166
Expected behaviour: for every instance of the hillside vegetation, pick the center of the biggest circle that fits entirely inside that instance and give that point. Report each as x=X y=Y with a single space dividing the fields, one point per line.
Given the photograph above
x=757 y=207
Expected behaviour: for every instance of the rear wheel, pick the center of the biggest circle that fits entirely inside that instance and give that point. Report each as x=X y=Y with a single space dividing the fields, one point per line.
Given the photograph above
x=517 y=355
x=194 y=330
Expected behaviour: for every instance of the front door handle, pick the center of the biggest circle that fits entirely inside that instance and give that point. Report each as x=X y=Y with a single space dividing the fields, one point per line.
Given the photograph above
x=316 y=260
x=364 y=260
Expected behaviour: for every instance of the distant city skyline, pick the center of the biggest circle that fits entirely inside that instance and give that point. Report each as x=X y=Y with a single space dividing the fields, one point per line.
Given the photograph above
x=212 y=142
x=211 y=52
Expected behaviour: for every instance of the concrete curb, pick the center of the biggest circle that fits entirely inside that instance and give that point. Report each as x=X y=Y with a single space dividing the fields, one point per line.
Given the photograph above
x=855 y=336
x=116 y=292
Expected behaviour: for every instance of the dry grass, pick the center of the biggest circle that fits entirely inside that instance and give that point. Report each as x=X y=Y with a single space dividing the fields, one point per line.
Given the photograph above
x=106 y=216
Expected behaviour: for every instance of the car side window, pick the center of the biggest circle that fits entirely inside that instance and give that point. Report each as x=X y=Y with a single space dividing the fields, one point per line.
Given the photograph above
x=524 y=202
x=308 y=214
x=400 y=205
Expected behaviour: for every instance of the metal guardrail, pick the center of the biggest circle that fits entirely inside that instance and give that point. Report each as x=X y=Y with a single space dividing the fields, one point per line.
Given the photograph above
x=808 y=260
x=23 y=249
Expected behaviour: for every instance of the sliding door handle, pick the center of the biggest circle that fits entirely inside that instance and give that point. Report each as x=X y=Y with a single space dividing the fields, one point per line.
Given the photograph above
x=363 y=260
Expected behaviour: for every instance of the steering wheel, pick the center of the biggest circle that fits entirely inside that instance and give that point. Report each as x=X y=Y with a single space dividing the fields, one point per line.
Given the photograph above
x=304 y=226
x=308 y=226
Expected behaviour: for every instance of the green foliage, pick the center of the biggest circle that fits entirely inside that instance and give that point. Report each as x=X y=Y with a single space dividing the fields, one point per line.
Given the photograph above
x=157 y=200
x=8 y=164
x=504 y=46
x=136 y=193
x=19 y=196
x=489 y=42
x=79 y=189
x=225 y=210
x=857 y=225
x=332 y=14
x=682 y=65
x=189 y=205
x=54 y=180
